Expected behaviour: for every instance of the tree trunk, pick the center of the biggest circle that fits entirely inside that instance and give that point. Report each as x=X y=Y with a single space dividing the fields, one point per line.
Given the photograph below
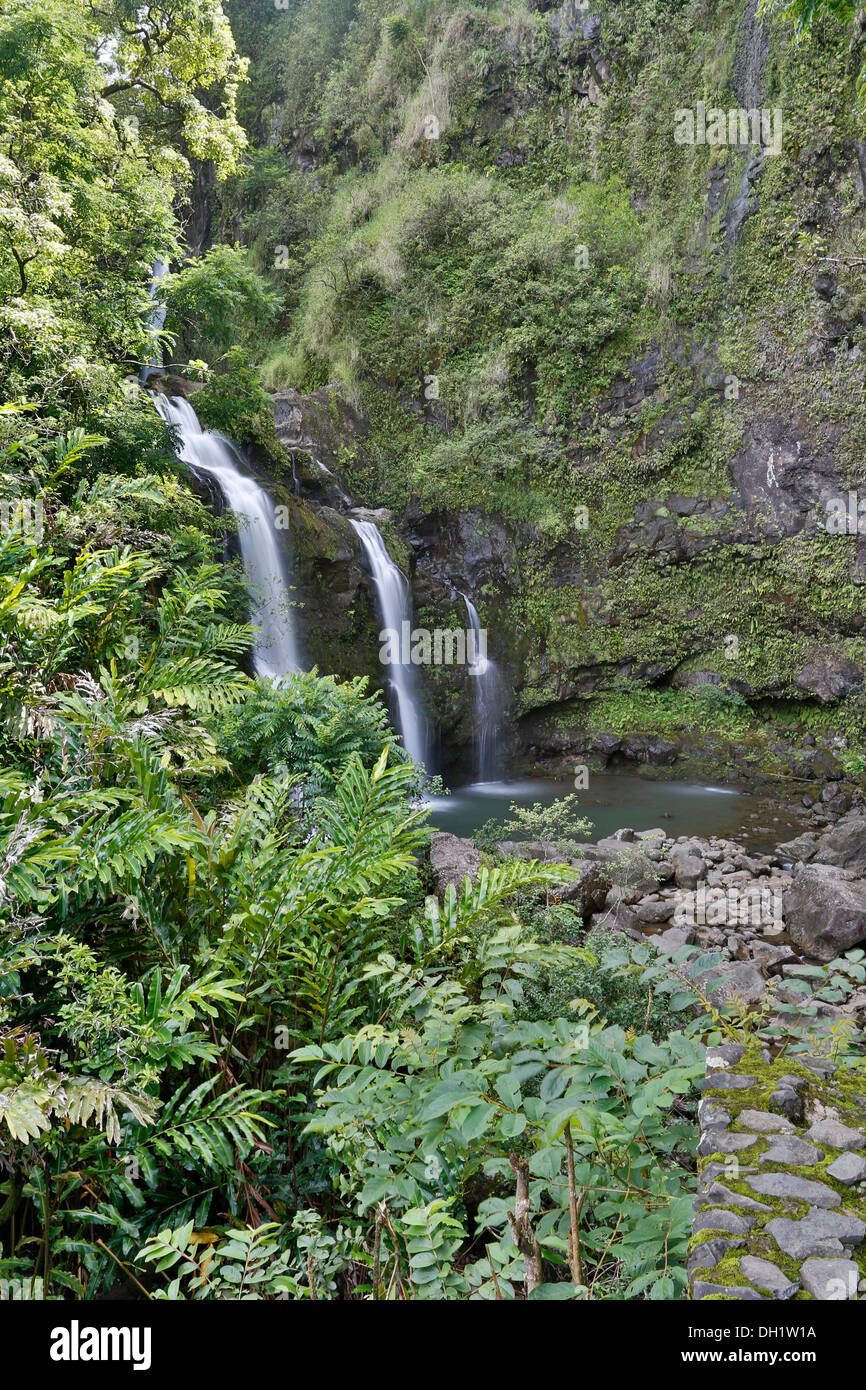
x=521 y=1225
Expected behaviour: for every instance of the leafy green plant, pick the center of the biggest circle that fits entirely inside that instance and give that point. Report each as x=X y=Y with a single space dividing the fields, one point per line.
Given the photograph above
x=216 y=301
x=557 y=824
x=833 y=983
x=476 y=1090
x=239 y=1263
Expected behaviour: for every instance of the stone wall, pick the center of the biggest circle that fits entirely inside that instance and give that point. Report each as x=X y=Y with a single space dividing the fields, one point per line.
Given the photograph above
x=781 y=1205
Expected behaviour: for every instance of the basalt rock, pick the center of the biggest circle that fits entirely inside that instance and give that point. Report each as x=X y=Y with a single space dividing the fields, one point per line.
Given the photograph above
x=589 y=892
x=830 y=676
x=315 y=429
x=830 y=1280
x=689 y=868
x=836 y=1134
x=452 y=859
x=627 y=865
x=765 y=1275
x=844 y=846
x=825 y=913
x=742 y=982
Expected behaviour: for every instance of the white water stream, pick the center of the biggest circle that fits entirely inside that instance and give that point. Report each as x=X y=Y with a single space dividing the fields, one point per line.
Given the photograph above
x=275 y=652
x=487 y=702
x=394 y=599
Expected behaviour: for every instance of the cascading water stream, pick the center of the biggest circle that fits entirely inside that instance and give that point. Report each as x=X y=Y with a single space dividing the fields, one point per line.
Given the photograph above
x=488 y=700
x=207 y=452
x=394 y=598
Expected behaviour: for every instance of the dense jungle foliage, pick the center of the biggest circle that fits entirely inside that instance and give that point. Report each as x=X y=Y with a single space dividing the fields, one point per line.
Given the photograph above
x=244 y=1052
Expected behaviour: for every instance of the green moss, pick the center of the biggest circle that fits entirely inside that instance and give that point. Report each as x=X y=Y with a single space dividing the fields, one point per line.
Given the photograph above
x=838 y=1092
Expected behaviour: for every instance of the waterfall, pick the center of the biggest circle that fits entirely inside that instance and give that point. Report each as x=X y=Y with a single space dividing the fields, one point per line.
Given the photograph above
x=155 y=321
x=488 y=701
x=395 y=607
x=209 y=453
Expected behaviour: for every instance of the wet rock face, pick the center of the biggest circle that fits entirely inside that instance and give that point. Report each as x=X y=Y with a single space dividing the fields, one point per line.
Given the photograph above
x=780 y=476
x=452 y=555
x=830 y=676
x=319 y=421
x=541 y=732
x=332 y=584
x=461 y=552
x=777 y=478
x=316 y=430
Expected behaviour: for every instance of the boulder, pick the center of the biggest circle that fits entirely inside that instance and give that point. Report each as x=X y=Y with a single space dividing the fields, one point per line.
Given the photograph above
x=792 y=1188
x=771 y=959
x=721 y=1141
x=654 y=913
x=589 y=892
x=837 y=1135
x=718 y=1193
x=623 y=919
x=825 y=913
x=452 y=859
x=712 y=1115
x=718 y=1219
x=848 y=1169
x=802 y=847
x=710 y=1252
x=818 y=1233
x=722 y=1055
x=788 y=1150
x=627 y=864
x=728 y=1081
x=740 y=1291
x=821 y=1066
x=785 y=1100
x=844 y=846
x=689 y=868
x=543 y=850
x=816 y=763
x=741 y=981
x=670 y=941
x=761 y=1121
x=855 y=1005
x=652 y=843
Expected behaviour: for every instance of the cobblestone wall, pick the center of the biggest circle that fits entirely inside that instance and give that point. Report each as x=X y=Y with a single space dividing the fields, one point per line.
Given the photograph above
x=781 y=1205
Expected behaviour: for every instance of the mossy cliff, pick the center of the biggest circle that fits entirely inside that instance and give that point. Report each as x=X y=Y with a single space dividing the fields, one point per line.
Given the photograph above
x=607 y=382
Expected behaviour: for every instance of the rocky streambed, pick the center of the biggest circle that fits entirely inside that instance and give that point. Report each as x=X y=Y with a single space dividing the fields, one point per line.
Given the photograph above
x=772 y=917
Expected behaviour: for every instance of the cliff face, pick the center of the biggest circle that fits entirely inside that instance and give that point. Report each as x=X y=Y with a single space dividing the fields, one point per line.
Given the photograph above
x=608 y=381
